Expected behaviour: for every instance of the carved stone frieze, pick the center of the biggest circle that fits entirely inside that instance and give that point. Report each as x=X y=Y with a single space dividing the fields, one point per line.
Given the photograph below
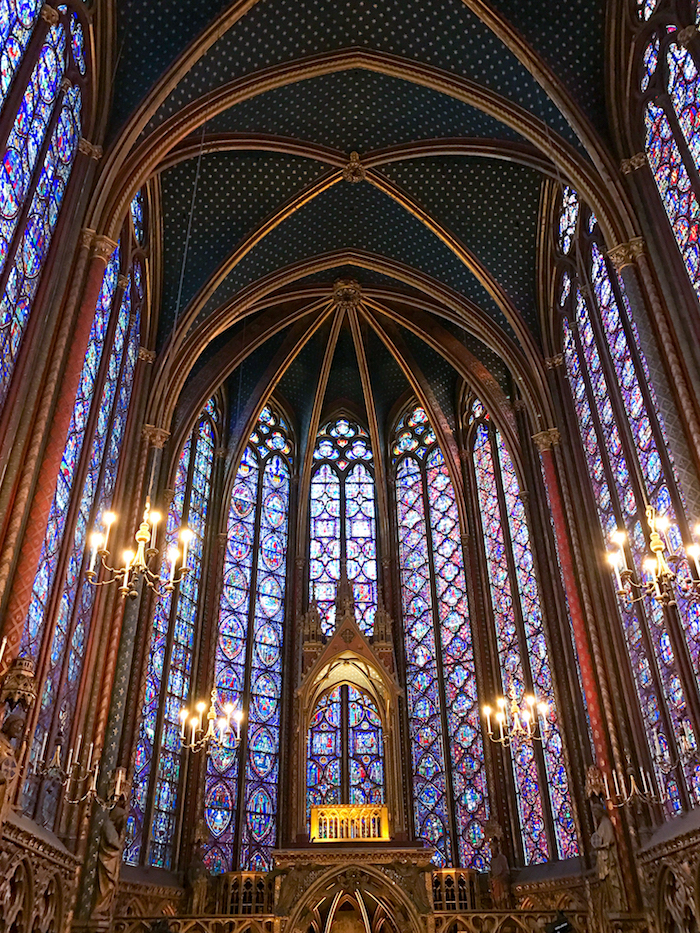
x=38 y=879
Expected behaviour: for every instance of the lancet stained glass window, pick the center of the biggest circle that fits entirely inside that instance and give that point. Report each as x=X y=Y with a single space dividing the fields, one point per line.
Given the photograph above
x=523 y=655
x=345 y=750
x=630 y=464
x=61 y=593
x=343 y=521
x=669 y=84
x=450 y=795
x=169 y=671
x=17 y=19
x=241 y=790
x=36 y=163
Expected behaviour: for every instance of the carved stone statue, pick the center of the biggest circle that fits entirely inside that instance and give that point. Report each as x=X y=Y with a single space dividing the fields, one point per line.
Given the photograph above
x=109 y=855
x=413 y=881
x=605 y=847
x=10 y=741
x=499 y=877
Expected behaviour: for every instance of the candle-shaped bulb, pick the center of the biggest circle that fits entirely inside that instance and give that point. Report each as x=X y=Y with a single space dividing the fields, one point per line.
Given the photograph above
x=186 y=535
x=154 y=518
x=183 y=722
x=173 y=555
x=693 y=552
x=109 y=518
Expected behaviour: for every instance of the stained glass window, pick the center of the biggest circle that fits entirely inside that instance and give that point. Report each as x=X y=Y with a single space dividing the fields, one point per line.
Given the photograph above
x=35 y=167
x=90 y=462
x=159 y=756
x=627 y=451
x=241 y=790
x=345 y=750
x=17 y=19
x=449 y=782
x=343 y=521
x=669 y=83
x=522 y=649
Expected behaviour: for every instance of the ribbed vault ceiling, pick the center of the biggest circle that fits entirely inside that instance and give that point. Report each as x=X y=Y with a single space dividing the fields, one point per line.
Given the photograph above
x=442 y=235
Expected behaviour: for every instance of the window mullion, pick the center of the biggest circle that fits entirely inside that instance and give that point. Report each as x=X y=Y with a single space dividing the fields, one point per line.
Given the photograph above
x=344 y=745
x=447 y=750
x=245 y=699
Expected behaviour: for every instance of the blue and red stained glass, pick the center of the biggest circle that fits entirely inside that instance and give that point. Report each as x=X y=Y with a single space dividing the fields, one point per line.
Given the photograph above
x=343 y=522
x=17 y=19
x=158 y=752
x=251 y=612
x=677 y=193
x=55 y=529
x=644 y=625
x=259 y=830
x=438 y=647
x=324 y=753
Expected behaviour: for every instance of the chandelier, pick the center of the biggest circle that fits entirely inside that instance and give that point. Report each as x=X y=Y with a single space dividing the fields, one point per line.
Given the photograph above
x=220 y=729
x=517 y=723
x=668 y=571
x=78 y=779
x=138 y=564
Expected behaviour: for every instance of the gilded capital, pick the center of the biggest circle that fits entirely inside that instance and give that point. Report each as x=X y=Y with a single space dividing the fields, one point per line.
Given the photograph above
x=545 y=440
x=627 y=166
x=148 y=356
x=552 y=362
x=87 y=235
x=354 y=171
x=87 y=148
x=103 y=247
x=626 y=254
x=155 y=436
x=122 y=281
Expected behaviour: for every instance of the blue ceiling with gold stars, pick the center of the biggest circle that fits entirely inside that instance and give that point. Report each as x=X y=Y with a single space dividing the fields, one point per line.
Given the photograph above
x=213 y=203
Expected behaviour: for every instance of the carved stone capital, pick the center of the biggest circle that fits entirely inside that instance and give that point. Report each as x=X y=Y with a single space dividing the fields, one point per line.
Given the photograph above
x=626 y=254
x=552 y=362
x=122 y=281
x=148 y=356
x=87 y=235
x=220 y=453
x=638 y=160
x=155 y=436
x=686 y=35
x=87 y=148
x=66 y=85
x=222 y=538
x=520 y=404
x=103 y=247
x=347 y=294
x=49 y=14
x=545 y=440
x=354 y=171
